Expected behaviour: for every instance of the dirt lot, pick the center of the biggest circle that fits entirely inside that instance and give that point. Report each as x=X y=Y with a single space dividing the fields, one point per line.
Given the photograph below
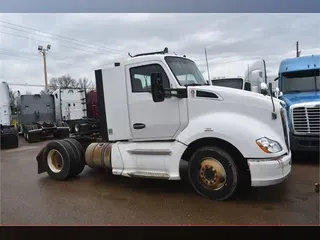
x=101 y=198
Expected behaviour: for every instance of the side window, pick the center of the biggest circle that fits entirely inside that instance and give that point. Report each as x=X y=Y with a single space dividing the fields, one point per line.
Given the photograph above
x=141 y=77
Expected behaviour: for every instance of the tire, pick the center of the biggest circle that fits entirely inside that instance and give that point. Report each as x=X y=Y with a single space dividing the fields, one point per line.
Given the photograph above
x=32 y=137
x=220 y=181
x=60 y=160
x=15 y=142
x=79 y=155
x=61 y=133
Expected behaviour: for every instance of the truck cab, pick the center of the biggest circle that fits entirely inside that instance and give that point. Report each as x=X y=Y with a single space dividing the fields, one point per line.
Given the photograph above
x=299 y=88
x=254 y=79
x=156 y=111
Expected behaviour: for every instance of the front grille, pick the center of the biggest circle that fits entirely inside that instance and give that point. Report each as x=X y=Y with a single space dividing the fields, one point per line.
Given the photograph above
x=306 y=120
x=284 y=126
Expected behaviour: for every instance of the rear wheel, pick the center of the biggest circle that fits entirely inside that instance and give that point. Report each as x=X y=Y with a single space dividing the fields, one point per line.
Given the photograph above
x=79 y=155
x=31 y=136
x=60 y=160
x=213 y=173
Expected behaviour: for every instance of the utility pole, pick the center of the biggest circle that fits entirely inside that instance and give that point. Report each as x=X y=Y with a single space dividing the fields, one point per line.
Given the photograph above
x=205 y=52
x=297 y=49
x=43 y=52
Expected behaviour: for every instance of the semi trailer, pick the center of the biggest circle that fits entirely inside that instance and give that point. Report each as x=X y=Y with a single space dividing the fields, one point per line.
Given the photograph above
x=36 y=118
x=9 y=133
x=152 y=120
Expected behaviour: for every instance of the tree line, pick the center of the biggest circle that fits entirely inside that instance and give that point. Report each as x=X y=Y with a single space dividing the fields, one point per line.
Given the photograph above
x=66 y=81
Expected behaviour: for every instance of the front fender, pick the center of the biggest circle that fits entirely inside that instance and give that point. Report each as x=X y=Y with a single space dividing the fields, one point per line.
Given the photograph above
x=239 y=130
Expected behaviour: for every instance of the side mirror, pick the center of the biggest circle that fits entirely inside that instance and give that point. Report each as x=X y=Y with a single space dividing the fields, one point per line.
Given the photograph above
x=278 y=93
x=247 y=86
x=264 y=88
x=157 y=89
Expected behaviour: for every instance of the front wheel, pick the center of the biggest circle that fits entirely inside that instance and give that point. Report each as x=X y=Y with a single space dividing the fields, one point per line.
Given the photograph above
x=213 y=173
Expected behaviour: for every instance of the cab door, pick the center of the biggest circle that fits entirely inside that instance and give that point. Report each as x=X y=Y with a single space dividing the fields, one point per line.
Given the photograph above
x=148 y=119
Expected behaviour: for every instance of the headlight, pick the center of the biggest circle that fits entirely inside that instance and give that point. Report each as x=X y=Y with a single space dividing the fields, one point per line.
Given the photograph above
x=268 y=146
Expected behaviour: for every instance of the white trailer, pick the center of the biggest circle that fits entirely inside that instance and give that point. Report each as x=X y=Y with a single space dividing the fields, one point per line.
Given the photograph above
x=70 y=105
x=9 y=133
x=152 y=120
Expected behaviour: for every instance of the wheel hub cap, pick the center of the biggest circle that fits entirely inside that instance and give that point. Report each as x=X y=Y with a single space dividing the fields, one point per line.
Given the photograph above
x=55 y=161
x=212 y=173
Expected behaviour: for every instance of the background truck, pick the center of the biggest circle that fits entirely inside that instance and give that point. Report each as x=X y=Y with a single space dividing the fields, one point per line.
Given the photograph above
x=36 y=118
x=299 y=88
x=9 y=134
x=152 y=120
x=254 y=79
x=70 y=106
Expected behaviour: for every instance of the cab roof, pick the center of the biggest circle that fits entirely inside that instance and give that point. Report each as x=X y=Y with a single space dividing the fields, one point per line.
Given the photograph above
x=300 y=63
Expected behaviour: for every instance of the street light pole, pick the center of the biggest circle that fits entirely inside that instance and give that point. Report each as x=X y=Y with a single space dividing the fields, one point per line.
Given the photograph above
x=43 y=52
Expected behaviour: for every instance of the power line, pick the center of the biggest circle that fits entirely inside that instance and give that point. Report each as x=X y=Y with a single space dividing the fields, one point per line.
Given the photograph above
x=73 y=41
x=50 y=42
x=15 y=55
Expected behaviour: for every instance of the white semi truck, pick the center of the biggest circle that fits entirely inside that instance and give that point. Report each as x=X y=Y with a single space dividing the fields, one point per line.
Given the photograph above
x=9 y=133
x=154 y=119
x=255 y=79
x=70 y=106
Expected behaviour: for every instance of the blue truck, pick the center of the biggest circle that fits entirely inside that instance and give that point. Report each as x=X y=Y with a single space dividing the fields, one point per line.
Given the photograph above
x=299 y=88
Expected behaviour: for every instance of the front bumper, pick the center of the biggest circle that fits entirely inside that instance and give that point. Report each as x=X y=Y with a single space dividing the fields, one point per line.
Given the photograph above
x=304 y=143
x=266 y=172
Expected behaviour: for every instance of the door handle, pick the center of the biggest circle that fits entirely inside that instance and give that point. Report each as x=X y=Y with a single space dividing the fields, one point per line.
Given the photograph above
x=139 y=126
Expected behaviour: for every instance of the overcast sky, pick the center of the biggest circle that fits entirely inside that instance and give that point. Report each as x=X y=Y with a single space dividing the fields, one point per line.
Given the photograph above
x=82 y=43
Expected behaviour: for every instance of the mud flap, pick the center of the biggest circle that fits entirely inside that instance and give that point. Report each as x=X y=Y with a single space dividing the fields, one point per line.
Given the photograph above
x=40 y=159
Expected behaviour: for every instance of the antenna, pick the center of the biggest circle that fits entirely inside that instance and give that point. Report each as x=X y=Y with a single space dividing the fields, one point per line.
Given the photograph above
x=205 y=52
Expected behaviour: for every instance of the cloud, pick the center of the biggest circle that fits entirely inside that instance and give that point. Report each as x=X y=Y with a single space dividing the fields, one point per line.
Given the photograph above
x=84 y=42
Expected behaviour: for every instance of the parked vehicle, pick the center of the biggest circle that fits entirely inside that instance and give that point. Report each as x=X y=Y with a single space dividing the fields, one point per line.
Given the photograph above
x=299 y=88
x=254 y=79
x=9 y=134
x=152 y=119
x=70 y=106
x=92 y=105
x=36 y=118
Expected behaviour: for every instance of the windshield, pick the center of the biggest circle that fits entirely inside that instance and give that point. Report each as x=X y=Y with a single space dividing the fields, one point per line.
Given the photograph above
x=301 y=81
x=228 y=82
x=185 y=71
